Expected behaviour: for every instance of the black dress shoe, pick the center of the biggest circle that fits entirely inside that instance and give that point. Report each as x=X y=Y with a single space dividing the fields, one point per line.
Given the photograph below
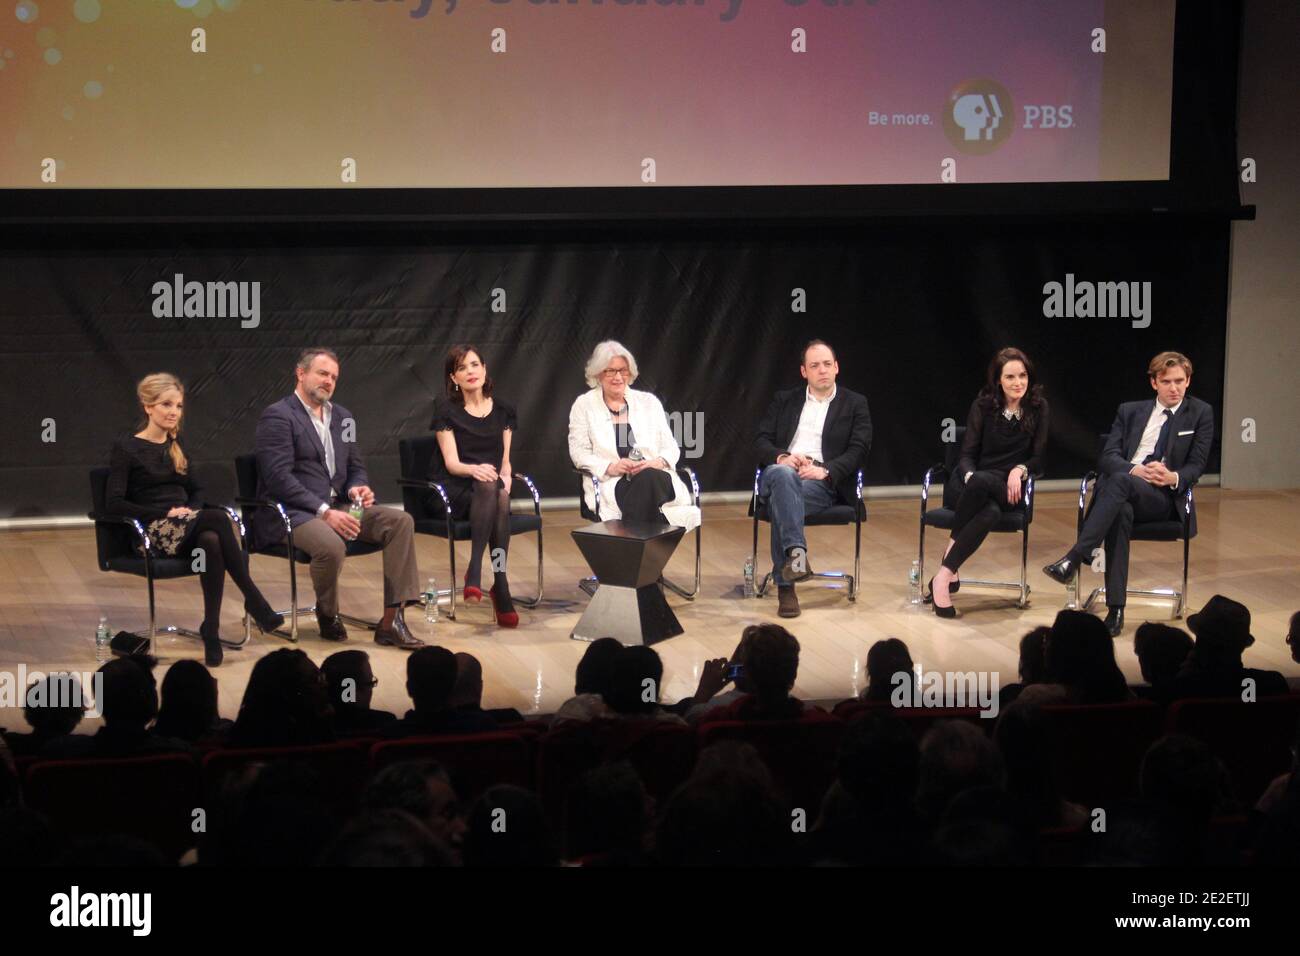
x=331 y=628
x=788 y=573
x=1115 y=621
x=397 y=635
x=948 y=613
x=1063 y=571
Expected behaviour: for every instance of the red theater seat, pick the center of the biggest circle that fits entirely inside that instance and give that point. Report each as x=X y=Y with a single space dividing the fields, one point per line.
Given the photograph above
x=152 y=798
x=1253 y=740
x=800 y=753
x=1096 y=749
x=474 y=761
x=341 y=767
x=661 y=753
x=918 y=719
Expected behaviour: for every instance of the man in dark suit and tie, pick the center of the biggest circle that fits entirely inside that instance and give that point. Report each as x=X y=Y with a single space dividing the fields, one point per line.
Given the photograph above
x=1153 y=452
x=308 y=460
x=811 y=442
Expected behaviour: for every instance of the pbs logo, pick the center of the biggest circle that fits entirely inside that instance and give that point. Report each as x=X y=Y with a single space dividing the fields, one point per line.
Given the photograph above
x=979 y=116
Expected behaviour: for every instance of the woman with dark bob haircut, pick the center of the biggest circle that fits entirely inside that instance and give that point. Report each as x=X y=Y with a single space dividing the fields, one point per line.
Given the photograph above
x=474 y=431
x=1006 y=435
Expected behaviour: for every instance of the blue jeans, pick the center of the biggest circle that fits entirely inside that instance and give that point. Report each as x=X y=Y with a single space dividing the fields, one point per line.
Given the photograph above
x=789 y=498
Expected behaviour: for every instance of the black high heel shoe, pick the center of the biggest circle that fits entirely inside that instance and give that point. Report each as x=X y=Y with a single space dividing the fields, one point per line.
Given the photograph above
x=264 y=616
x=212 y=653
x=929 y=596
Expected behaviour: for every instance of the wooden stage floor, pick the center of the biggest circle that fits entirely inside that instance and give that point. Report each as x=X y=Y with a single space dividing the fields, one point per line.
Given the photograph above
x=52 y=594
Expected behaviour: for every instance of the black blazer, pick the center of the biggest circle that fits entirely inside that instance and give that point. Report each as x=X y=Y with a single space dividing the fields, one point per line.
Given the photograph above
x=846 y=436
x=1188 y=452
x=291 y=466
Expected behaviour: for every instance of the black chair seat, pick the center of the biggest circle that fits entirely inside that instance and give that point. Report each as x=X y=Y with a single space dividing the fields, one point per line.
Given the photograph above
x=1158 y=531
x=162 y=567
x=519 y=524
x=945 y=518
x=836 y=514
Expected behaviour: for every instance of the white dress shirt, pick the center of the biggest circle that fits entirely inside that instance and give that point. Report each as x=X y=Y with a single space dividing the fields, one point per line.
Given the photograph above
x=1151 y=434
x=322 y=425
x=807 y=439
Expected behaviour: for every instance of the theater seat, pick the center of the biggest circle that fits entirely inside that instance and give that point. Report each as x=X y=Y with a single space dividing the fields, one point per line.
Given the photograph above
x=918 y=719
x=340 y=766
x=152 y=798
x=1253 y=740
x=800 y=754
x=474 y=761
x=1097 y=749
x=663 y=754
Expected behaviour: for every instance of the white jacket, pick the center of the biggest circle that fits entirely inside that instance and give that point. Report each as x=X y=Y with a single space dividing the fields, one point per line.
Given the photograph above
x=593 y=448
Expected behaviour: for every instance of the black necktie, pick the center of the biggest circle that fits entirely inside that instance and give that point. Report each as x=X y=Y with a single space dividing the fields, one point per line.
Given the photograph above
x=1162 y=440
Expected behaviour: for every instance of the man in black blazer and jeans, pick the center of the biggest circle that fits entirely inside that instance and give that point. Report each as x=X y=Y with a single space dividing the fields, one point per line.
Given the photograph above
x=811 y=443
x=1153 y=452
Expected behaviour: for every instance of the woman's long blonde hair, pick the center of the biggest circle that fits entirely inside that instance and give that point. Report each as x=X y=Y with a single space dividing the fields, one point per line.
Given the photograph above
x=150 y=391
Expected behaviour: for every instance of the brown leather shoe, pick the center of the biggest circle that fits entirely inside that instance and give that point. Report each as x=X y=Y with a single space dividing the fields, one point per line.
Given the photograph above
x=331 y=628
x=796 y=567
x=398 y=635
x=787 y=603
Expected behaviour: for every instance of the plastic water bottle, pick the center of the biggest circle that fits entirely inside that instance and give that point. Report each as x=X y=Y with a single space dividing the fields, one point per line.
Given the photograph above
x=749 y=577
x=431 y=602
x=103 y=639
x=914 y=583
x=355 y=509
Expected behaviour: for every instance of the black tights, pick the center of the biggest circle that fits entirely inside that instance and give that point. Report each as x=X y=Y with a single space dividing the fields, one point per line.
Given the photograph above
x=489 y=525
x=214 y=532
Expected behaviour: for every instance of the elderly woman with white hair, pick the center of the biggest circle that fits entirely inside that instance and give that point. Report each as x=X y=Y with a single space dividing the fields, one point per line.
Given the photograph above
x=621 y=436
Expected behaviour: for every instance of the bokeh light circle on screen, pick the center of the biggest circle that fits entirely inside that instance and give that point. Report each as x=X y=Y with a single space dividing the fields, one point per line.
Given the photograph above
x=203 y=8
x=87 y=11
x=46 y=37
x=228 y=6
x=93 y=89
x=26 y=11
x=68 y=112
x=53 y=56
x=187 y=4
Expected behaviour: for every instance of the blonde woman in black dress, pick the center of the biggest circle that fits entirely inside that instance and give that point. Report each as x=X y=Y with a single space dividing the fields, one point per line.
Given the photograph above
x=150 y=480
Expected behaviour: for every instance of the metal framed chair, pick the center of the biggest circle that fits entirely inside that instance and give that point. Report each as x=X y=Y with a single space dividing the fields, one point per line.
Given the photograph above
x=415 y=454
x=248 y=501
x=115 y=540
x=854 y=514
x=1009 y=522
x=1176 y=529
x=692 y=482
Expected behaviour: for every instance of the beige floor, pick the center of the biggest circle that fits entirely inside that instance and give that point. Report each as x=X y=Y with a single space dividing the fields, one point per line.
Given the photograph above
x=52 y=593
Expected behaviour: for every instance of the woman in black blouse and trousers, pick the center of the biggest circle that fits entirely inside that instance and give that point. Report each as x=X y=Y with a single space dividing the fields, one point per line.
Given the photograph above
x=474 y=431
x=149 y=480
x=1006 y=434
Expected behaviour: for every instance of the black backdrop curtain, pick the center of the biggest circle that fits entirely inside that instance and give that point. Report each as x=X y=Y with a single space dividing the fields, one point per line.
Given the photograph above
x=914 y=312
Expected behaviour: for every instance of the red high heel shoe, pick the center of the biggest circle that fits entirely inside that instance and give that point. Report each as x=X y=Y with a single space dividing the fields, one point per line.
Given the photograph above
x=504 y=618
x=472 y=594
